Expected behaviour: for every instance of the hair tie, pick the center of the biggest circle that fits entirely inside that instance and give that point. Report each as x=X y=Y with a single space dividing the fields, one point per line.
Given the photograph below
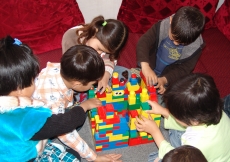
x=17 y=42
x=104 y=23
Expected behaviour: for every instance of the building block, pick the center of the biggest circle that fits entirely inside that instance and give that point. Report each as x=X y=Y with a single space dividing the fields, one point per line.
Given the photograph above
x=113 y=123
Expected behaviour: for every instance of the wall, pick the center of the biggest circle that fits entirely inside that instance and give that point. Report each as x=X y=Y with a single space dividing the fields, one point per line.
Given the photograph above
x=92 y=8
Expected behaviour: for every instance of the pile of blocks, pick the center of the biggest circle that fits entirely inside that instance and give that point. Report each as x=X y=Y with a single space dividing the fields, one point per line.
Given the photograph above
x=112 y=124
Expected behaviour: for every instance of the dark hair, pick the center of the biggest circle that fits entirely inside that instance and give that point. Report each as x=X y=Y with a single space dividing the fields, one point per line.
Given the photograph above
x=18 y=66
x=194 y=98
x=187 y=24
x=184 y=153
x=82 y=63
x=112 y=36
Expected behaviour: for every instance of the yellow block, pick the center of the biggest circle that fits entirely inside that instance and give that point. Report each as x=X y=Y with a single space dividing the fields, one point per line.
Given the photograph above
x=98 y=147
x=115 y=138
x=132 y=87
x=132 y=125
x=109 y=116
x=97 y=119
x=158 y=122
x=105 y=126
x=143 y=134
x=132 y=98
x=109 y=97
x=144 y=96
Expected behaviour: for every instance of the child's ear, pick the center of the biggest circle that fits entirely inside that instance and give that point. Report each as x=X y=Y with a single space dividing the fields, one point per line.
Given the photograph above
x=76 y=83
x=195 y=123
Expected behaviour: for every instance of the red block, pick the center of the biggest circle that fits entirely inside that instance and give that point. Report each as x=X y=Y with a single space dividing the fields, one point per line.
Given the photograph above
x=121 y=143
x=114 y=120
x=101 y=112
x=101 y=141
x=133 y=113
x=134 y=141
x=103 y=95
x=109 y=108
x=153 y=97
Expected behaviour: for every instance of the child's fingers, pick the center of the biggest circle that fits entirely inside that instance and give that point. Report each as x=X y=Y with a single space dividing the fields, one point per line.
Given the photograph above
x=143 y=118
x=139 y=120
x=150 y=118
x=115 y=156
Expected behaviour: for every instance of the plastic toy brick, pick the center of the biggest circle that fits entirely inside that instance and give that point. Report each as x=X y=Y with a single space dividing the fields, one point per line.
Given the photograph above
x=132 y=98
x=115 y=78
x=99 y=95
x=113 y=124
x=144 y=95
x=132 y=87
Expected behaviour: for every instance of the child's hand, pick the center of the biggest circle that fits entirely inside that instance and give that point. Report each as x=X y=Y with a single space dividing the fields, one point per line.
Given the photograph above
x=157 y=109
x=90 y=104
x=150 y=126
x=150 y=76
x=146 y=125
x=161 y=85
x=108 y=158
x=103 y=83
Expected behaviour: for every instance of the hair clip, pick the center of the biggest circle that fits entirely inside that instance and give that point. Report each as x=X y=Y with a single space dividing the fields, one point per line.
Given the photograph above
x=17 y=42
x=104 y=23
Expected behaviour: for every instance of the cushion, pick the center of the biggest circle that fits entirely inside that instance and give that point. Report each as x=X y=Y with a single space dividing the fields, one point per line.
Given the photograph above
x=208 y=8
x=222 y=19
x=140 y=15
x=40 y=23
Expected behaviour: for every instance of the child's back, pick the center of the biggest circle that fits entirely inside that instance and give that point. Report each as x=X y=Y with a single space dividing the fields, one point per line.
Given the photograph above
x=195 y=102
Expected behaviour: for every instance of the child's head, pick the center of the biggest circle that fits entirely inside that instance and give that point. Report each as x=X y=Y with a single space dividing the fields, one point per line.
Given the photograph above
x=18 y=67
x=194 y=99
x=111 y=33
x=82 y=67
x=184 y=154
x=186 y=25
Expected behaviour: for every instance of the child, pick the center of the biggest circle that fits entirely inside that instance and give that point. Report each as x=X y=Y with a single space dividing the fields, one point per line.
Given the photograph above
x=184 y=153
x=26 y=123
x=107 y=37
x=80 y=68
x=169 y=50
x=194 y=106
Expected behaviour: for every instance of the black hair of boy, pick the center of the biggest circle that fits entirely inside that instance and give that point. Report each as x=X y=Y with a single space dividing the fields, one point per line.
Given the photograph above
x=82 y=63
x=194 y=98
x=187 y=24
x=18 y=61
x=184 y=153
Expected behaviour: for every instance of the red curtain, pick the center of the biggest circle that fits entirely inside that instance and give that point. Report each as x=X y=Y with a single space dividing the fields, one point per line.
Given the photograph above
x=39 y=23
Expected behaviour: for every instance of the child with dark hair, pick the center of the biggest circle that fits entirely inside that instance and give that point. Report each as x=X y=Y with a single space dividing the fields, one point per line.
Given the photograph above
x=26 y=124
x=170 y=49
x=194 y=106
x=184 y=153
x=80 y=68
x=107 y=37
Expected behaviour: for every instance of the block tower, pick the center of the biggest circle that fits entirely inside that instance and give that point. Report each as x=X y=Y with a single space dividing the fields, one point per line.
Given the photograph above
x=112 y=124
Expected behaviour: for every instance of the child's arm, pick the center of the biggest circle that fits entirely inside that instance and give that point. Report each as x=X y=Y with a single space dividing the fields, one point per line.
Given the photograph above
x=61 y=123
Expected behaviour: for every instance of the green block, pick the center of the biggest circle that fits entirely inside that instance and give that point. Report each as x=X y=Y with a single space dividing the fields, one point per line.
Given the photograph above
x=134 y=107
x=145 y=106
x=91 y=93
x=133 y=134
x=118 y=97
